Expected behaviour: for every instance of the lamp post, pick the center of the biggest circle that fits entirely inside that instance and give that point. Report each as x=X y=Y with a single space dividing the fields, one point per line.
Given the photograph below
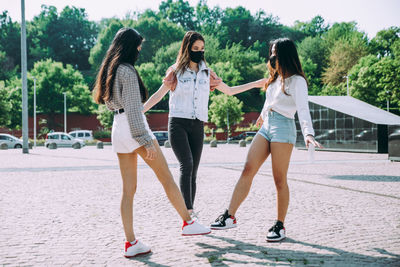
x=25 y=134
x=227 y=123
x=65 y=112
x=34 y=112
x=387 y=100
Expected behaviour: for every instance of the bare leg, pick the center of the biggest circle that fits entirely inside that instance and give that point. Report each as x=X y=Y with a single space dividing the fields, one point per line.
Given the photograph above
x=160 y=167
x=258 y=153
x=128 y=168
x=280 y=157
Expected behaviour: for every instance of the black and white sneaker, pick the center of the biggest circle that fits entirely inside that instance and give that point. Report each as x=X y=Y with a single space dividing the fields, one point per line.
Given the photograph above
x=276 y=233
x=224 y=221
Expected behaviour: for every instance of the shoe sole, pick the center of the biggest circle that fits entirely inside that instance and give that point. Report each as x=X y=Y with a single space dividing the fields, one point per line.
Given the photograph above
x=143 y=253
x=223 y=228
x=197 y=234
x=275 y=240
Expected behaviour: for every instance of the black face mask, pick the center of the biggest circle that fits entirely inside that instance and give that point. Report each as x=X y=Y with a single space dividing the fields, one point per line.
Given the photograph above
x=272 y=61
x=196 y=56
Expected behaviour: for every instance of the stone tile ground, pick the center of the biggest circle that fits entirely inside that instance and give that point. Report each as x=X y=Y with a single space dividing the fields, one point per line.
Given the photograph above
x=61 y=207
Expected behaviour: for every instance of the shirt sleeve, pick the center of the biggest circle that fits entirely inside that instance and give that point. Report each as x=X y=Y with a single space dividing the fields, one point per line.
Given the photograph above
x=214 y=80
x=133 y=106
x=300 y=96
x=170 y=79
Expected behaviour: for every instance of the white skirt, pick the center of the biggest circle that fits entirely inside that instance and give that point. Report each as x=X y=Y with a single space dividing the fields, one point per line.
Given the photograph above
x=121 y=138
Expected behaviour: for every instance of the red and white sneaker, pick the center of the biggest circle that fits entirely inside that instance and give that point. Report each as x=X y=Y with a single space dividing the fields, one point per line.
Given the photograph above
x=194 y=228
x=135 y=248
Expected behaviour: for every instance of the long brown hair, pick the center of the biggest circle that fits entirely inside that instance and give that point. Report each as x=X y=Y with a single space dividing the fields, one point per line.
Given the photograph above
x=287 y=62
x=183 y=59
x=123 y=49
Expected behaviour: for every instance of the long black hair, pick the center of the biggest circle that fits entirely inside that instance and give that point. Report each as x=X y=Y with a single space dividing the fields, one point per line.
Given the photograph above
x=287 y=61
x=123 y=49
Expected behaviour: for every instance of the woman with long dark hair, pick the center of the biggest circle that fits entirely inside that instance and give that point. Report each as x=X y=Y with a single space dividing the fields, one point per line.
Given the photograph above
x=286 y=93
x=189 y=82
x=118 y=85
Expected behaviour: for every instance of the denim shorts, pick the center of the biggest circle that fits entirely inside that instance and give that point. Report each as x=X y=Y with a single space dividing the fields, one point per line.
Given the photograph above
x=278 y=128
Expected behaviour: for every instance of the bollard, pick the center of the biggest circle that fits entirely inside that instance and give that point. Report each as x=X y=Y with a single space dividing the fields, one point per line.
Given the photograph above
x=167 y=144
x=52 y=146
x=242 y=143
x=213 y=143
x=3 y=146
x=30 y=145
x=99 y=145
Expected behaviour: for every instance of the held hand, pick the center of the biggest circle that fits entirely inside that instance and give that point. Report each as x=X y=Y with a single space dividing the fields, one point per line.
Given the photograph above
x=260 y=83
x=310 y=140
x=259 y=121
x=151 y=152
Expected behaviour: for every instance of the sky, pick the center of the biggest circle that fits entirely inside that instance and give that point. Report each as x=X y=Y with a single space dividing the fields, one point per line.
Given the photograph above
x=370 y=15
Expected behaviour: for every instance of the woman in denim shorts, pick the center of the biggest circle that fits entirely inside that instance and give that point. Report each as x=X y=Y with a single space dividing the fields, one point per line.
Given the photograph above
x=286 y=94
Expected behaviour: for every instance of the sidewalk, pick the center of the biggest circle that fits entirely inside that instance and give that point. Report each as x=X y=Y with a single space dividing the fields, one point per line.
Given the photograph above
x=61 y=207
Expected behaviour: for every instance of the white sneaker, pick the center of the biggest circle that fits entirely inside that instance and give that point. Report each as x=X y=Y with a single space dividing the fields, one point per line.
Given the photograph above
x=194 y=228
x=224 y=221
x=135 y=248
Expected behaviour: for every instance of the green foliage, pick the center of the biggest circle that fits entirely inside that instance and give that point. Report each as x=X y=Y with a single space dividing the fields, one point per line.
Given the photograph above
x=105 y=116
x=382 y=43
x=315 y=27
x=102 y=134
x=227 y=72
x=344 y=55
x=221 y=105
x=179 y=12
x=5 y=106
x=10 y=46
x=104 y=40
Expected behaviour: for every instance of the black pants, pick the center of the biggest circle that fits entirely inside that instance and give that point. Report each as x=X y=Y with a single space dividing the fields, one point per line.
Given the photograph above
x=186 y=137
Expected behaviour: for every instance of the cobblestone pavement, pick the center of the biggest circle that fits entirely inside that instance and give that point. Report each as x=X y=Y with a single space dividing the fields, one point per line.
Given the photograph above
x=61 y=207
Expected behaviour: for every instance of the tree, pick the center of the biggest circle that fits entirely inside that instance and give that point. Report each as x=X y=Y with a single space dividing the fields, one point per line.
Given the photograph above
x=105 y=116
x=179 y=12
x=222 y=104
x=344 y=55
x=104 y=40
x=66 y=37
x=5 y=106
x=52 y=80
x=10 y=46
x=383 y=41
x=208 y=19
x=315 y=27
x=152 y=81
x=375 y=80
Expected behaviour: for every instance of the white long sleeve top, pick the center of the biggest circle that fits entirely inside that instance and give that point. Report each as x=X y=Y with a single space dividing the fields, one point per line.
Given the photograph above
x=287 y=105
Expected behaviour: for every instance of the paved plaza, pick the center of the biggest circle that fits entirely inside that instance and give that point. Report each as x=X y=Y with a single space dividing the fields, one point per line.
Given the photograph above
x=61 y=207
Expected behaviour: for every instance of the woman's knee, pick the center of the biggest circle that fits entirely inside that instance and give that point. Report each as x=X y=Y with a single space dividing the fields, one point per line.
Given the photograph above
x=249 y=170
x=129 y=191
x=280 y=182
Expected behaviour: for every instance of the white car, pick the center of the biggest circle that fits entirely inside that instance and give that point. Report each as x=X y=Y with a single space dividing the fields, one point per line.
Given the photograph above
x=63 y=140
x=86 y=135
x=11 y=141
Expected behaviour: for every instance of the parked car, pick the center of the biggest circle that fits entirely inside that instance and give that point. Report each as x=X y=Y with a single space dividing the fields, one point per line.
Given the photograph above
x=161 y=136
x=62 y=140
x=11 y=141
x=86 y=135
x=242 y=136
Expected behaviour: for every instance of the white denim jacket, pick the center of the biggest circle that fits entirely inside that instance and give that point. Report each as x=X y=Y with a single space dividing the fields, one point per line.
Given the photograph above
x=190 y=98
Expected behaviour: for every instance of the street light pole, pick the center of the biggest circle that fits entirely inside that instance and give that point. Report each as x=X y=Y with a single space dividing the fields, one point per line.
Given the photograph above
x=65 y=112
x=227 y=123
x=387 y=100
x=25 y=134
x=34 y=112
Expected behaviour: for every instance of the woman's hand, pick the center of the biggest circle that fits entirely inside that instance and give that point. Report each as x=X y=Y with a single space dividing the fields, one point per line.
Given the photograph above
x=259 y=121
x=310 y=140
x=260 y=83
x=151 y=152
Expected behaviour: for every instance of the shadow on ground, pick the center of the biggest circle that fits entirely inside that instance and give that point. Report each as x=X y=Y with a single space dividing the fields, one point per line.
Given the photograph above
x=219 y=256
x=370 y=178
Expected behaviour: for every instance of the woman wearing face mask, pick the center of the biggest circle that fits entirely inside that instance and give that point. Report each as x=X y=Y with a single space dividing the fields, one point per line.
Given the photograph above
x=286 y=93
x=118 y=85
x=189 y=82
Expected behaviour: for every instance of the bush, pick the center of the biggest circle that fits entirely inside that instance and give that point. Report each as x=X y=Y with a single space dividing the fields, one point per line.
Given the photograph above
x=208 y=139
x=102 y=134
x=251 y=128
